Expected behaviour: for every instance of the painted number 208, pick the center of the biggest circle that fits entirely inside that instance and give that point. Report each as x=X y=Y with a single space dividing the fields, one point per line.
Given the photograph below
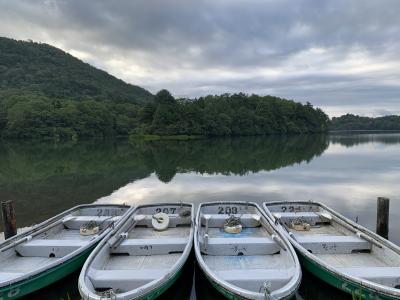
x=227 y=210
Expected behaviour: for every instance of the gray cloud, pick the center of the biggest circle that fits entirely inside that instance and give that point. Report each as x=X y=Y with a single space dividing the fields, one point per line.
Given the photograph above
x=341 y=55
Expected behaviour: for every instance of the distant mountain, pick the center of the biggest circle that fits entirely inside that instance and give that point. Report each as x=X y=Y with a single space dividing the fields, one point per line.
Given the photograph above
x=354 y=122
x=51 y=72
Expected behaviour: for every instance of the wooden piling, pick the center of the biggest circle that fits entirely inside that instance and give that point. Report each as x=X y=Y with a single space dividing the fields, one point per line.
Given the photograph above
x=9 y=218
x=382 y=217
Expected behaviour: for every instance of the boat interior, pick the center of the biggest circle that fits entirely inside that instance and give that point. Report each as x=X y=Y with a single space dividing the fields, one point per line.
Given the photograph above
x=339 y=244
x=142 y=250
x=44 y=245
x=252 y=258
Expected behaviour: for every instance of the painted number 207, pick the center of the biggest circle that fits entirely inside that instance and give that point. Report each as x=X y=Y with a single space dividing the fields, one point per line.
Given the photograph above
x=166 y=210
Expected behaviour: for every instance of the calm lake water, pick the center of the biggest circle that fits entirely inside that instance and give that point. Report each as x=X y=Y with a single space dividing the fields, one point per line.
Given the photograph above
x=345 y=171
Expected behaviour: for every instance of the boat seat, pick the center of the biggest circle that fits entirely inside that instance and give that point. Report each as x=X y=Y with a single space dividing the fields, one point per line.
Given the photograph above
x=254 y=279
x=49 y=248
x=75 y=222
x=124 y=280
x=151 y=246
x=331 y=244
x=174 y=221
x=216 y=220
x=239 y=246
x=389 y=276
x=311 y=218
x=7 y=276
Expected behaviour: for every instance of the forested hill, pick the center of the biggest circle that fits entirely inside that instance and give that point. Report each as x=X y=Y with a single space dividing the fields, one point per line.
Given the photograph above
x=46 y=93
x=35 y=67
x=354 y=122
x=230 y=115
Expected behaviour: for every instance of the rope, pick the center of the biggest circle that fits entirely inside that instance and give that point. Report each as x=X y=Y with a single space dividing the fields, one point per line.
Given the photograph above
x=159 y=220
x=108 y=294
x=232 y=221
x=184 y=213
x=300 y=225
x=89 y=225
x=266 y=288
x=233 y=224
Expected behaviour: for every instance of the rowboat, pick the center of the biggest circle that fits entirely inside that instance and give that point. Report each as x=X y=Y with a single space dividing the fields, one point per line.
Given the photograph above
x=339 y=251
x=243 y=254
x=142 y=257
x=53 y=249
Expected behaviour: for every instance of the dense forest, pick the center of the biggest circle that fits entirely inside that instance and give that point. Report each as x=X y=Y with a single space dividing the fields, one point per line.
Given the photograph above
x=354 y=122
x=46 y=93
x=229 y=115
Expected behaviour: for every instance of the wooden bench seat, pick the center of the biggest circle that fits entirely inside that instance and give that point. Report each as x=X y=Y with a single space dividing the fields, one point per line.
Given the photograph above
x=331 y=244
x=154 y=246
x=124 y=280
x=389 y=276
x=254 y=279
x=49 y=248
x=239 y=246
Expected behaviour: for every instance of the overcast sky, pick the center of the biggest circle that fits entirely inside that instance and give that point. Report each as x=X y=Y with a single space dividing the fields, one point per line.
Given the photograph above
x=341 y=55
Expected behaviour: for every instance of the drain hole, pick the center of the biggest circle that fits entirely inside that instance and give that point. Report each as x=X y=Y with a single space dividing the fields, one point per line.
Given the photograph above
x=240 y=254
x=52 y=255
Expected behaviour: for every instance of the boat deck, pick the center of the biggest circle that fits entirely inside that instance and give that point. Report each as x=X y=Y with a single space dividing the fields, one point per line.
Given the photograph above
x=357 y=260
x=37 y=253
x=339 y=247
x=45 y=246
x=67 y=234
x=144 y=256
x=248 y=259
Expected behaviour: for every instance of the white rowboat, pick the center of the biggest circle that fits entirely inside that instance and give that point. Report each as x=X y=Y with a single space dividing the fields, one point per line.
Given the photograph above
x=142 y=257
x=243 y=254
x=53 y=249
x=339 y=251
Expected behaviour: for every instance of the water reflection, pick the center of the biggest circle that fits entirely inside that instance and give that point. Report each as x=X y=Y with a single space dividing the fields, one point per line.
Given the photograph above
x=354 y=139
x=49 y=178
x=346 y=172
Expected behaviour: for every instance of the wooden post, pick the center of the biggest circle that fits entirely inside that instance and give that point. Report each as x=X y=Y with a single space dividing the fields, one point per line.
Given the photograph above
x=382 y=217
x=9 y=219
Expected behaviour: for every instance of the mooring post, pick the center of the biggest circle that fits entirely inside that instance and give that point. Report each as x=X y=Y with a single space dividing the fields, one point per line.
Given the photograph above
x=9 y=219
x=382 y=217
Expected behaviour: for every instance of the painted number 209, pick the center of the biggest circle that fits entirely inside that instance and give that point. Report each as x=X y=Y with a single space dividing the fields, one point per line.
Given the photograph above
x=227 y=210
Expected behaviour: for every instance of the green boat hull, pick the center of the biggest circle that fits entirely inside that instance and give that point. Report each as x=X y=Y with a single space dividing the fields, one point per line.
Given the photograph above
x=41 y=280
x=356 y=290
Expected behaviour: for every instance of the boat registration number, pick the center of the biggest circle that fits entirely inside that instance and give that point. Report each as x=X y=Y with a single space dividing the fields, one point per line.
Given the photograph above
x=106 y=212
x=166 y=210
x=227 y=210
x=290 y=208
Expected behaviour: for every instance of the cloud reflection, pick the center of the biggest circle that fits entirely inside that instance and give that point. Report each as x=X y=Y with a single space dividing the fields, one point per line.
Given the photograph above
x=347 y=179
